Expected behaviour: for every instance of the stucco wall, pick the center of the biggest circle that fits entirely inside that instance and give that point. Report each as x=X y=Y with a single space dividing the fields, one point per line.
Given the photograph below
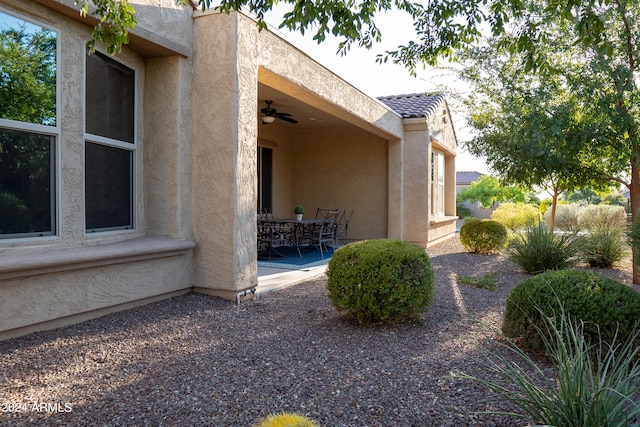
x=224 y=154
x=48 y=281
x=345 y=169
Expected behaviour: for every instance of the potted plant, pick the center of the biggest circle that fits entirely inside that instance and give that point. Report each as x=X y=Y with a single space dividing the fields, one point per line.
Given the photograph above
x=299 y=211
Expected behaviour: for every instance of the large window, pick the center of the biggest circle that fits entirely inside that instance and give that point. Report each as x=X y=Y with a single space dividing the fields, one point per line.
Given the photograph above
x=437 y=183
x=110 y=145
x=28 y=128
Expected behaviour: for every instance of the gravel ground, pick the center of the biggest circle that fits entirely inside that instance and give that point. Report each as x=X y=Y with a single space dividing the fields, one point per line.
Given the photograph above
x=199 y=360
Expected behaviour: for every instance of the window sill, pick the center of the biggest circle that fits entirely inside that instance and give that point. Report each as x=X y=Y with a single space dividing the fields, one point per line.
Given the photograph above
x=442 y=220
x=143 y=248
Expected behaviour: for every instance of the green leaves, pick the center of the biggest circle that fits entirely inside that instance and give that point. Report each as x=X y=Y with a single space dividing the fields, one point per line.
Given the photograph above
x=116 y=17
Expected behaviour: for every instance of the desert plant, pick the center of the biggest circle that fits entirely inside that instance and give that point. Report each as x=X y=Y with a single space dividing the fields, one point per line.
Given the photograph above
x=603 y=246
x=515 y=216
x=483 y=236
x=596 y=384
x=487 y=281
x=609 y=309
x=539 y=249
x=566 y=218
x=286 y=420
x=381 y=280
x=602 y=216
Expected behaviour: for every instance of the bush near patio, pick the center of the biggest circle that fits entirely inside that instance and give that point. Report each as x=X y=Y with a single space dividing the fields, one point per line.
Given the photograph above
x=381 y=280
x=610 y=310
x=515 y=216
x=483 y=236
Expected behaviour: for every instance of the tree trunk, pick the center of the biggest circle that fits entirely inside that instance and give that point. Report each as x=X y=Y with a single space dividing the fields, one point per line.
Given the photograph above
x=554 y=205
x=634 y=196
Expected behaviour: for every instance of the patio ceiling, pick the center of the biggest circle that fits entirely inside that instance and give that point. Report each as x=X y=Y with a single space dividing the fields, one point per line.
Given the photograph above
x=307 y=116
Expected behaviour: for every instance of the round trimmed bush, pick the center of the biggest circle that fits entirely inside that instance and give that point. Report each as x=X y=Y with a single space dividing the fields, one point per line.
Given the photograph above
x=381 y=280
x=286 y=419
x=600 y=302
x=483 y=236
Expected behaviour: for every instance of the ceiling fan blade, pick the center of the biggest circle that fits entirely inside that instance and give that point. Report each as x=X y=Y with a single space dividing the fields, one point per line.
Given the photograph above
x=285 y=118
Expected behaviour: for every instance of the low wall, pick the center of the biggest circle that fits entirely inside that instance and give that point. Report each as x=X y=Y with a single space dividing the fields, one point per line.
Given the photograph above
x=46 y=290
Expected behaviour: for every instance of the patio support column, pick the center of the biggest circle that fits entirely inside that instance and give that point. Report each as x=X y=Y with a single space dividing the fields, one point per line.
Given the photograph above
x=417 y=165
x=396 y=189
x=224 y=154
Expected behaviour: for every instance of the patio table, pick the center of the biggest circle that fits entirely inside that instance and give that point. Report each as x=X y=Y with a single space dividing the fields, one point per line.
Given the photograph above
x=297 y=224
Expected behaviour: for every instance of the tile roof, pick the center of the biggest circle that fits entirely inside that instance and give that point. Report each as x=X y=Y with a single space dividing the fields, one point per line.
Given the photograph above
x=414 y=105
x=467 y=177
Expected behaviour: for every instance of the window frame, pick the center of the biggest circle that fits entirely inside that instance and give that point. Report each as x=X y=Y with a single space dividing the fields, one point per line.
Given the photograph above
x=438 y=183
x=41 y=129
x=131 y=147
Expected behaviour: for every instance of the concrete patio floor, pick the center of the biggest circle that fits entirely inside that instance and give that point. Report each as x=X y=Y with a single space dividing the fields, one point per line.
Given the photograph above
x=270 y=279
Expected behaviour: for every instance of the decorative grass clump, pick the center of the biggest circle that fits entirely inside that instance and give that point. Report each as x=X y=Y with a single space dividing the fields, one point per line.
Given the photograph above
x=610 y=310
x=540 y=249
x=602 y=247
x=483 y=236
x=286 y=420
x=595 y=384
x=381 y=281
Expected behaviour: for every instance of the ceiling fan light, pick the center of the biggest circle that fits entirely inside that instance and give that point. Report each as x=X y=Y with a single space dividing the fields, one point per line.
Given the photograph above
x=268 y=119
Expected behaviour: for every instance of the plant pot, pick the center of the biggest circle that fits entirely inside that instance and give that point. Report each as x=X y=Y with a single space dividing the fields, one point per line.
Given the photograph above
x=299 y=217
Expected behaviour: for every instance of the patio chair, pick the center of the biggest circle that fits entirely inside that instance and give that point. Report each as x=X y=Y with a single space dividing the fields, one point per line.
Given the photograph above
x=342 y=228
x=326 y=213
x=285 y=234
x=322 y=234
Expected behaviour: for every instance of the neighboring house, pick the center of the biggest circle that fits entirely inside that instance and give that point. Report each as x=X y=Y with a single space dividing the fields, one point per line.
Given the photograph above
x=141 y=181
x=463 y=180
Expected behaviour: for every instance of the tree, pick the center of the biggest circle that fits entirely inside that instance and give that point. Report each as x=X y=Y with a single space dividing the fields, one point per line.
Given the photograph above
x=525 y=122
x=441 y=26
x=489 y=191
x=590 y=114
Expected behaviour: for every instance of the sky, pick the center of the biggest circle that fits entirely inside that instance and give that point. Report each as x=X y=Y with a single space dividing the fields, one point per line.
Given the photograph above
x=359 y=68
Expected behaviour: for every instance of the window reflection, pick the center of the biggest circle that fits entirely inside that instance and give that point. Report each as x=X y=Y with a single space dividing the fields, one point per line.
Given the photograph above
x=27 y=72
x=27 y=133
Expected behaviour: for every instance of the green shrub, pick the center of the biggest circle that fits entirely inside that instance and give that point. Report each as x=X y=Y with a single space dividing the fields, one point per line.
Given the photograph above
x=462 y=211
x=605 y=306
x=515 y=216
x=603 y=246
x=381 y=280
x=483 y=236
x=539 y=249
x=602 y=216
x=566 y=218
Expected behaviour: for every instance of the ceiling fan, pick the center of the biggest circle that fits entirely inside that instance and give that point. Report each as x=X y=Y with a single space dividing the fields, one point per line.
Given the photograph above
x=270 y=114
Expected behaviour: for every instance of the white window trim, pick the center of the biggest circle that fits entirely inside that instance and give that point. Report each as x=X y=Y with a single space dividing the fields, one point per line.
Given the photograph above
x=46 y=130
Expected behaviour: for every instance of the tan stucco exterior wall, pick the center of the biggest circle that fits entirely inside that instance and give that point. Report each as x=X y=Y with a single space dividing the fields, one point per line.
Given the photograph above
x=344 y=169
x=224 y=154
x=49 y=281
